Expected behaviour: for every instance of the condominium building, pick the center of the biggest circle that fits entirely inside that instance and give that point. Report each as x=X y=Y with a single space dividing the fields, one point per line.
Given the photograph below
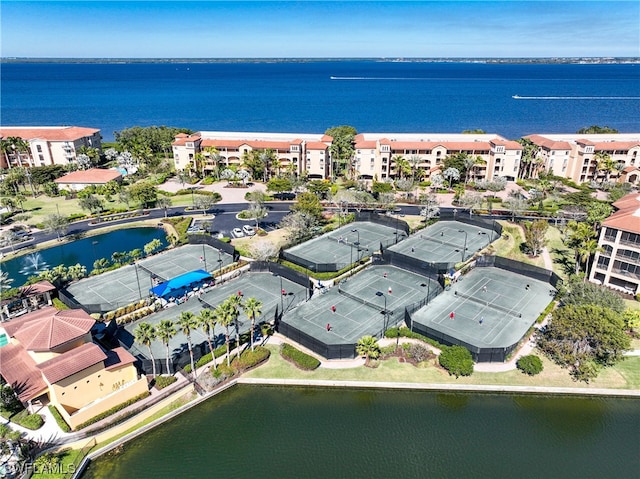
x=293 y=152
x=377 y=154
x=46 y=145
x=617 y=264
x=580 y=157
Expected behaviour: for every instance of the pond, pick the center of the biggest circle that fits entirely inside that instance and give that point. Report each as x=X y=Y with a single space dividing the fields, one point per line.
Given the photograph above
x=275 y=432
x=84 y=251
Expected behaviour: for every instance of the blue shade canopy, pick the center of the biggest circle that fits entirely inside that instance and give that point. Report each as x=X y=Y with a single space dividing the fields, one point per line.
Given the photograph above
x=180 y=284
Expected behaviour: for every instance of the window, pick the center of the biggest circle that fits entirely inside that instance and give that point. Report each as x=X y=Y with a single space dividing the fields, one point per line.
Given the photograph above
x=39 y=148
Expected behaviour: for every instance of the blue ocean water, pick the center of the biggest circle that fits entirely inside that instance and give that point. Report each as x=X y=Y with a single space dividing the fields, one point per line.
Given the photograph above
x=309 y=97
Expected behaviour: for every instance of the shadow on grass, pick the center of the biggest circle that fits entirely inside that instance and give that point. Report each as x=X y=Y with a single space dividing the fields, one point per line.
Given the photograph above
x=565 y=259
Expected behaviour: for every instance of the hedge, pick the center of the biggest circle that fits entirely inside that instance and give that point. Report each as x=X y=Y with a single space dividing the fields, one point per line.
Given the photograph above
x=297 y=357
x=62 y=424
x=206 y=359
x=249 y=358
x=113 y=410
x=407 y=333
x=24 y=419
x=162 y=382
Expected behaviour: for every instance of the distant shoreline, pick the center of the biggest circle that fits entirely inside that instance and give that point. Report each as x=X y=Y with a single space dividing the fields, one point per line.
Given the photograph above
x=554 y=60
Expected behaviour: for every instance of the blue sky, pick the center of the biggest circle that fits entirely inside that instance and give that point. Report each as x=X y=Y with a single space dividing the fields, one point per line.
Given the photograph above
x=255 y=29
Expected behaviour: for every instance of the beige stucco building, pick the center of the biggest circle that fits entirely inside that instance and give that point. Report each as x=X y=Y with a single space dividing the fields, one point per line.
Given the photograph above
x=51 y=359
x=576 y=156
x=617 y=264
x=48 y=145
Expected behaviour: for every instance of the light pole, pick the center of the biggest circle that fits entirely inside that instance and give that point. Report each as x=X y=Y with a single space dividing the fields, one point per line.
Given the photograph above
x=281 y=299
x=204 y=257
x=380 y=293
x=135 y=267
x=493 y=229
x=193 y=203
x=465 y=243
x=219 y=263
x=357 y=244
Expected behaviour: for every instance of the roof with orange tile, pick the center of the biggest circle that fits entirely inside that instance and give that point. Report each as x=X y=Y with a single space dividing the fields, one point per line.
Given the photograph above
x=615 y=145
x=316 y=145
x=549 y=143
x=627 y=218
x=182 y=139
x=49 y=332
x=15 y=324
x=118 y=357
x=72 y=362
x=19 y=369
x=90 y=176
x=67 y=133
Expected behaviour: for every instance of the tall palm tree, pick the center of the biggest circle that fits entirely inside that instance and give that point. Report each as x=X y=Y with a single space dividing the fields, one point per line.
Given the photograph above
x=252 y=308
x=6 y=147
x=605 y=164
x=403 y=167
x=224 y=317
x=470 y=163
x=187 y=323
x=165 y=331
x=207 y=321
x=145 y=334
x=368 y=347
x=215 y=158
x=235 y=302
x=588 y=248
x=18 y=146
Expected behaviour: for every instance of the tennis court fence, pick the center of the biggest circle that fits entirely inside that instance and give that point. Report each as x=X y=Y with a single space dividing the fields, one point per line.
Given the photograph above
x=479 y=221
x=518 y=267
x=153 y=275
x=215 y=243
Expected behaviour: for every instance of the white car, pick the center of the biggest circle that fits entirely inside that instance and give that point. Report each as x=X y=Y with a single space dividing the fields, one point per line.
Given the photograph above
x=237 y=232
x=248 y=230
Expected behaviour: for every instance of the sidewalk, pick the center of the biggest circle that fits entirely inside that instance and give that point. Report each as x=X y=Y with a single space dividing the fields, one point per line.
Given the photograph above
x=229 y=195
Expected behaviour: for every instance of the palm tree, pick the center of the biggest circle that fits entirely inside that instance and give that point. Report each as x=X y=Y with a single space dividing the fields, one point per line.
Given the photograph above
x=470 y=164
x=187 y=323
x=224 y=317
x=18 y=145
x=579 y=234
x=165 y=331
x=252 y=308
x=587 y=250
x=235 y=302
x=207 y=321
x=6 y=147
x=403 y=167
x=164 y=202
x=605 y=164
x=414 y=161
x=368 y=347
x=215 y=158
x=144 y=334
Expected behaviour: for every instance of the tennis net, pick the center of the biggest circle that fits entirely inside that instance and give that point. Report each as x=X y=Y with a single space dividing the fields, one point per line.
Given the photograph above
x=360 y=300
x=153 y=275
x=339 y=240
x=448 y=243
x=489 y=304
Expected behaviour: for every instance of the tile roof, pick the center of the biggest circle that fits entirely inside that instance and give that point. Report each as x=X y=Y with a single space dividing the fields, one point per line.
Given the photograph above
x=20 y=371
x=72 y=362
x=36 y=288
x=615 y=145
x=51 y=331
x=182 y=139
x=118 y=357
x=66 y=133
x=15 y=324
x=92 y=175
x=316 y=145
x=549 y=143
x=627 y=218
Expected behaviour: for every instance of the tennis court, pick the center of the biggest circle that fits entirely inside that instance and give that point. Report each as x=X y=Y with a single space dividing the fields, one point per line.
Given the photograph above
x=487 y=310
x=262 y=286
x=344 y=246
x=125 y=285
x=445 y=242
x=191 y=257
x=359 y=310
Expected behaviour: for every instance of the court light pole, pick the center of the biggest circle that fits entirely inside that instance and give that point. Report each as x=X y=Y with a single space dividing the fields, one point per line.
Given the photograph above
x=135 y=268
x=384 y=296
x=204 y=257
x=465 y=243
x=219 y=263
x=357 y=244
x=281 y=299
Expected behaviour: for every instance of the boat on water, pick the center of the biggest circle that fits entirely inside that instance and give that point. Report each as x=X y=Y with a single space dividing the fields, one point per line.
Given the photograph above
x=515 y=97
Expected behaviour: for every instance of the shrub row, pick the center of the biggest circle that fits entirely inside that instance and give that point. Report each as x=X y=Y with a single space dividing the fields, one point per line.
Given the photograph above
x=29 y=421
x=206 y=359
x=113 y=410
x=136 y=315
x=130 y=308
x=62 y=424
x=407 y=333
x=297 y=357
x=162 y=382
x=249 y=358
x=457 y=360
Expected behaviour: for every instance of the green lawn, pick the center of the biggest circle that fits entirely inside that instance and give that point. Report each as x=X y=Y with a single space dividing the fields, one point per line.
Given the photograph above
x=626 y=375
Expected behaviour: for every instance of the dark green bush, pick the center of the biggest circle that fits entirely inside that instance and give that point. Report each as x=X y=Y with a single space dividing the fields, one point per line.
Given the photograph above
x=457 y=360
x=297 y=357
x=62 y=424
x=530 y=365
x=30 y=421
x=162 y=382
x=249 y=358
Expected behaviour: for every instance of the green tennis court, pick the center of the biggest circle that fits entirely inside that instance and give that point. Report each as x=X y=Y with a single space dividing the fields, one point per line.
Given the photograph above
x=492 y=308
x=262 y=286
x=129 y=284
x=345 y=245
x=361 y=311
x=445 y=242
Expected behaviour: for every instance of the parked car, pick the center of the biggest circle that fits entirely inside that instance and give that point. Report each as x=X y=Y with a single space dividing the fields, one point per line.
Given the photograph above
x=237 y=233
x=248 y=230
